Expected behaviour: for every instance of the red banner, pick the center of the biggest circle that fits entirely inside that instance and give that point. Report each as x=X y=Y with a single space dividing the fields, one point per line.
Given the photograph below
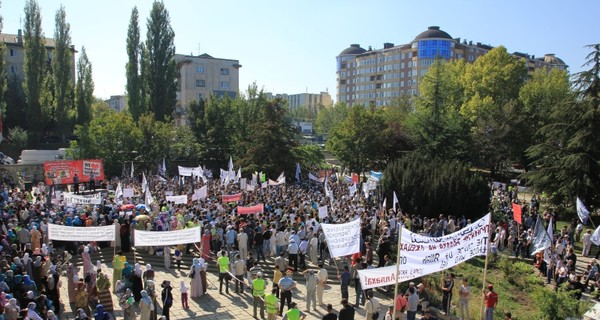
x=517 y=213
x=259 y=208
x=63 y=171
x=232 y=197
x=355 y=178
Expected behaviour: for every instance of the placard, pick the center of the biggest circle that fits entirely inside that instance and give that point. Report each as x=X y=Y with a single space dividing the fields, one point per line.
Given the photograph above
x=259 y=208
x=177 y=199
x=342 y=239
x=95 y=198
x=66 y=233
x=166 y=238
x=323 y=212
x=232 y=197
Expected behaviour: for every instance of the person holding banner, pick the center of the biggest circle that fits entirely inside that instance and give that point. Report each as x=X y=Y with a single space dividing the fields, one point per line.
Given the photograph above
x=447 y=293
x=491 y=300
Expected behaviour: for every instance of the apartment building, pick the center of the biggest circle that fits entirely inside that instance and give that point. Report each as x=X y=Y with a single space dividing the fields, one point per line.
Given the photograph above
x=309 y=100
x=379 y=76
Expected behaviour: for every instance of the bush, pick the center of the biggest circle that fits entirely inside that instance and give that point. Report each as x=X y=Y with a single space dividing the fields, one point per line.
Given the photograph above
x=430 y=186
x=19 y=137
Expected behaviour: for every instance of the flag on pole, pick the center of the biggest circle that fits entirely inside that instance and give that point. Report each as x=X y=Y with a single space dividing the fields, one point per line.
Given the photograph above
x=395 y=201
x=263 y=177
x=596 y=237
x=352 y=190
x=548 y=251
x=230 y=168
x=119 y=191
x=281 y=177
x=517 y=213
x=541 y=239
x=298 y=172
x=148 y=197
x=132 y=169
x=144 y=182
x=238 y=176
x=384 y=203
x=582 y=211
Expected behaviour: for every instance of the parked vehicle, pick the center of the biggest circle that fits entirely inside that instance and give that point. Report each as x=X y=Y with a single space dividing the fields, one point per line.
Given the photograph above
x=40 y=156
x=4 y=159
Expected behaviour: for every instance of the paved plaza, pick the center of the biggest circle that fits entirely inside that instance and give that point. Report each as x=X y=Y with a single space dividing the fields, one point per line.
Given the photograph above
x=214 y=305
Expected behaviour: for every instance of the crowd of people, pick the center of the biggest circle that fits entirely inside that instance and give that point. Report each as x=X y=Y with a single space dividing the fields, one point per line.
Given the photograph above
x=287 y=234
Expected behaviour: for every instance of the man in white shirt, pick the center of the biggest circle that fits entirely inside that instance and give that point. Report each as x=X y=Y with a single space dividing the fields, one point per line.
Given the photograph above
x=321 y=282
x=240 y=270
x=293 y=250
x=242 y=239
x=372 y=306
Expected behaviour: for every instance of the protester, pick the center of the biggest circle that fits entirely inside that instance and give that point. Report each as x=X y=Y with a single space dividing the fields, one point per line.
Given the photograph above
x=491 y=300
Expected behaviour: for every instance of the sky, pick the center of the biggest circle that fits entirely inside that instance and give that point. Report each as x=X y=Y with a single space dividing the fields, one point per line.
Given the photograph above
x=290 y=46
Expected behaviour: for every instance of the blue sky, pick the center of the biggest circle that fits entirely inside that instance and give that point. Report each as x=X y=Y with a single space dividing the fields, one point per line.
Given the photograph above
x=290 y=46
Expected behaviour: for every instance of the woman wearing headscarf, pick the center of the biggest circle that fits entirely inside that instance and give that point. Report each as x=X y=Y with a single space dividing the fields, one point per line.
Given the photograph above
x=11 y=309
x=127 y=302
x=72 y=281
x=196 y=280
x=36 y=237
x=87 y=260
x=81 y=296
x=37 y=269
x=167 y=256
x=125 y=240
x=29 y=285
x=202 y=267
x=101 y=313
x=50 y=282
x=27 y=264
x=81 y=315
x=206 y=244
x=146 y=306
x=104 y=295
x=148 y=274
x=136 y=282
x=166 y=298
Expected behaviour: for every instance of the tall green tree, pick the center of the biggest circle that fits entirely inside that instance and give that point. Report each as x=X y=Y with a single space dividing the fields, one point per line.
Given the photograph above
x=3 y=78
x=216 y=140
x=35 y=67
x=567 y=161
x=328 y=118
x=134 y=80
x=357 y=140
x=437 y=127
x=85 y=89
x=16 y=104
x=272 y=141
x=159 y=63
x=61 y=67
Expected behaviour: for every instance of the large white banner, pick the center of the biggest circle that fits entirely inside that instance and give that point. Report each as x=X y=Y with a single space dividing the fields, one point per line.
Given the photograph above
x=342 y=239
x=166 y=238
x=188 y=171
x=95 y=198
x=421 y=255
x=66 y=233
x=177 y=199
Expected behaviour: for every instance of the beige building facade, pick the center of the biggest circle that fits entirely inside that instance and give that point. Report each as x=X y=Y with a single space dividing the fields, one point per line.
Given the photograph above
x=15 y=54
x=312 y=101
x=118 y=102
x=380 y=76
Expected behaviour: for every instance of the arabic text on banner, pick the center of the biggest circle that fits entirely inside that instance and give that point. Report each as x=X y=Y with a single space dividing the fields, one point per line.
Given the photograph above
x=66 y=233
x=342 y=239
x=421 y=255
x=189 y=171
x=177 y=199
x=166 y=238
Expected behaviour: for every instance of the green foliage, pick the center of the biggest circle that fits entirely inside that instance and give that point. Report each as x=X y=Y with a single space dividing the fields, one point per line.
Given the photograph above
x=329 y=118
x=19 y=137
x=310 y=157
x=559 y=305
x=134 y=82
x=16 y=105
x=185 y=146
x=61 y=71
x=216 y=137
x=566 y=159
x=159 y=63
x=430 y=186
x=85 y=89
x=356 y=141
x=3 y=77
x=34 y=67
x=156 y=140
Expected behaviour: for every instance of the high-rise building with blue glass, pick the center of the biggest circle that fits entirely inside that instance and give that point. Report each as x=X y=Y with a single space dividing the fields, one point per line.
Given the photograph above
x=379 y=76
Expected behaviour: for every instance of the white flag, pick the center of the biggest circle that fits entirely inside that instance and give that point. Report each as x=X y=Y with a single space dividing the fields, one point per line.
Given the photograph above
x=119 y=191
x=149 y=199
x=144 y=182
x=548 y=252
x=230 y=168
x=238 y=176
x=131 y=169
x=281 y=177
x=384 y=203
x=596 y=237
x=582 y=211
x=352 y=190
x=395 y=201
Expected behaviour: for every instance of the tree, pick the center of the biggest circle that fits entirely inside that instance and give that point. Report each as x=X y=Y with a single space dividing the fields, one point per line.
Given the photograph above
x=34 y=67
x=16 y=104
x=3 y=78
x=61 y=67
x=134 y=80
x=429 y=186
x=271 y=141
x=156 y=140
x=310 y=157
x=492 y=107
x=437 y=127
x=357 y=140
x=566 y=161
x=216 y=137
x=85 y=89
x=328 y=118
x=159 y=63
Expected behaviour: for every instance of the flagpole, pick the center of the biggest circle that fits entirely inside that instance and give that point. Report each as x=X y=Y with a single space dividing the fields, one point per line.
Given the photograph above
x=397 y=268
x=487 y=254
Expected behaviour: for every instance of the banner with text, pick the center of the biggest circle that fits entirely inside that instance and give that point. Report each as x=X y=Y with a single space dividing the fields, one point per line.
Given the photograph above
x=232 y=197
x=63 y=171
x=189 y=171
x=95 y=198
x=421 y=255
x=259 y=208
x=166 y=238
x=342 y=239
x=177 y=199
x=66 y=233
x=323 y=212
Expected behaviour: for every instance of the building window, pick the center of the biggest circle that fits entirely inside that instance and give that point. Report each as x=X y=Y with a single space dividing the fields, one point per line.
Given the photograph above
x=200 y=83
x=224 y=84
x=12 y=52
x=199 y=69
x=224 y=71
x=200 y=96
x=13 y=69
